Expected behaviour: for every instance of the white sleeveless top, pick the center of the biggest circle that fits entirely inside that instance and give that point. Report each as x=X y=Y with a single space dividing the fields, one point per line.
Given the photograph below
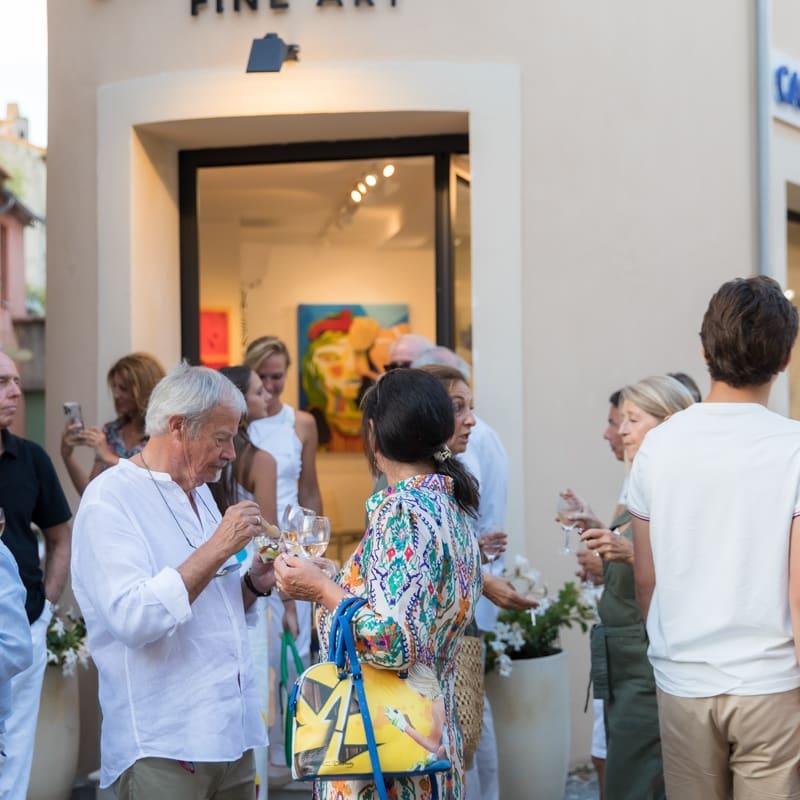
x=278 y=437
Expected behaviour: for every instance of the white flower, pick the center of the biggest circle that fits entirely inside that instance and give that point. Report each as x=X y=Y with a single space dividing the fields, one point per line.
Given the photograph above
x=504 y=666
x=70 y=660
x=58 y=626
x=498 y=645
x=521 y=564
x=83 y=654
x=517 y=638
x=544 y=604
x=52 y=658
x=502 y=631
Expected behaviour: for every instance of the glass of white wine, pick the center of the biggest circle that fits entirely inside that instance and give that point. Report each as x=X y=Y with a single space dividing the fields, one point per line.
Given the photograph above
x=564 y=508
x=315 y=536
x=2 y=521
x=294 y=521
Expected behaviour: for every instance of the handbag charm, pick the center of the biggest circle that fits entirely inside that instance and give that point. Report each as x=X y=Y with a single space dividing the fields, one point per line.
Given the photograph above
x=352 y=721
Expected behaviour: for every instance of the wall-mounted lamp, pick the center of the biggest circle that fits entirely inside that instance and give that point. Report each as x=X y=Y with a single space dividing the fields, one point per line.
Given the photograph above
x=269 y=53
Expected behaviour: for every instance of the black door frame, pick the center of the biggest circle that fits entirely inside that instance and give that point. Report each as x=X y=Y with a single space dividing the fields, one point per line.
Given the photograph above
x=442 y=148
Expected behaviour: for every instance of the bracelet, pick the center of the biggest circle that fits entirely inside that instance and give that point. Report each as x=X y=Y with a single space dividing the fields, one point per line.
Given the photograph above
x=248 y=582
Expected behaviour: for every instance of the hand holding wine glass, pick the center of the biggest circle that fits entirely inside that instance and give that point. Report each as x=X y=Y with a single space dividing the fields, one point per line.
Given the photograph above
x=492 y=545
x=565 y=507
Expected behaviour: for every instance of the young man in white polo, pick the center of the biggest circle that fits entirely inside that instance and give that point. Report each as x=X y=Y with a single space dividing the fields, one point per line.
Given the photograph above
x=715 y=492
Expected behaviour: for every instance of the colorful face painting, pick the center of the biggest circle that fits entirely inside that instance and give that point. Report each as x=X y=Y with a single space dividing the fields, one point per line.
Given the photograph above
x=342 y=352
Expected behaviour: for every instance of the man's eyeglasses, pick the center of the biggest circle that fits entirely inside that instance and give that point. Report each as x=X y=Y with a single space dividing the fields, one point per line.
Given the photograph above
x=396 y=365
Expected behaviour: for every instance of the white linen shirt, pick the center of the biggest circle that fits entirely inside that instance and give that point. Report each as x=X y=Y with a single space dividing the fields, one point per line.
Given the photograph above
x=176 y=680
x=485 y=457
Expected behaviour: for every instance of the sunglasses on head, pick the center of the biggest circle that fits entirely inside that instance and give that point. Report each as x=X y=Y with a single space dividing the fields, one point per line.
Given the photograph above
x=396 y=365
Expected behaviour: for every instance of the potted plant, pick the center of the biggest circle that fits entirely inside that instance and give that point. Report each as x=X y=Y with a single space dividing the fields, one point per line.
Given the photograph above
x=55 y=757
x=528 y=686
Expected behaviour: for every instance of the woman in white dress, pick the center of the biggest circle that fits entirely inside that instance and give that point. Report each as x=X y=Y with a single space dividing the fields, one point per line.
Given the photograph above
x=290 y=436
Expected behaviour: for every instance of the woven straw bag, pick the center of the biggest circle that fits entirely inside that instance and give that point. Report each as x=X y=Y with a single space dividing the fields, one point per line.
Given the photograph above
x=469 y=694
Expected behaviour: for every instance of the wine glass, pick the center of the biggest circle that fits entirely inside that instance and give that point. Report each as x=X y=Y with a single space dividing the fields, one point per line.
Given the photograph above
x=492 y=545
x=564 y=507
x=2 y=521
x=315 y=536
x=296 y=523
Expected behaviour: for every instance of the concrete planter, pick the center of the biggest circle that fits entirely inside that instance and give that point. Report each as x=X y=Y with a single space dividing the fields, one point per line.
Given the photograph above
x=531 y=714
x=55 y=756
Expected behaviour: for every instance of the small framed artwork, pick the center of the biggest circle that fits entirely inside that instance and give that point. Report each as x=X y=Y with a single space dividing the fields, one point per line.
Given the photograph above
x=214 y=338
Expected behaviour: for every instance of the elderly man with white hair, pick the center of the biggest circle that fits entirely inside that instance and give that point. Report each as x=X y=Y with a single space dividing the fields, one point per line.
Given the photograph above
x=155 y=574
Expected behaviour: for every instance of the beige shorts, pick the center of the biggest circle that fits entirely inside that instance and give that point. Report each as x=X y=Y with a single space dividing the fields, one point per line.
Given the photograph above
x=150 y=778
x=748 y=745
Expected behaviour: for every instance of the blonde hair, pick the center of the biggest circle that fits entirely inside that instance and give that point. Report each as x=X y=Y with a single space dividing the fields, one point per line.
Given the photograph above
x=660 y=396
x=264 y=347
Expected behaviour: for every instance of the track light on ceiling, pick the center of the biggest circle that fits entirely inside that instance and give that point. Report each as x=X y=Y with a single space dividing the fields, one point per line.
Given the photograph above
x=357 y=196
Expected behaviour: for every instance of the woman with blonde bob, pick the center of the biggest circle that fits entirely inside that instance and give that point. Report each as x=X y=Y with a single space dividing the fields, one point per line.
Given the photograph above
x=621 y=673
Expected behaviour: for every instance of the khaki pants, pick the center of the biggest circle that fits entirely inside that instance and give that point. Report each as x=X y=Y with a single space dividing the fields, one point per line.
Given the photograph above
x=153 y=778
x=743 y=746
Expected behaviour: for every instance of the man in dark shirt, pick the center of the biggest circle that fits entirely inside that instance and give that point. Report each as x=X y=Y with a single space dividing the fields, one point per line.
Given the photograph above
x=29 y=492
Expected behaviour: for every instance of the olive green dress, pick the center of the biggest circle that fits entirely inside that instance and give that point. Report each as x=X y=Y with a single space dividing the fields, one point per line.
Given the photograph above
x=623 y=677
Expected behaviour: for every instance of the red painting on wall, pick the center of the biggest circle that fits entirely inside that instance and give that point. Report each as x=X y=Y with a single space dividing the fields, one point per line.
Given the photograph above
x=214 y=341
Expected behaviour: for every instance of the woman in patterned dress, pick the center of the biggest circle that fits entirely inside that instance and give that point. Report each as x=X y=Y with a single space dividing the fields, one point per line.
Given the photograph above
x=131 y=379
x=417 y=566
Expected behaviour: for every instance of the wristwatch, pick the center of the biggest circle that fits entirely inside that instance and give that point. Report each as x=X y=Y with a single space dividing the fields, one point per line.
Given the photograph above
x=248 y=582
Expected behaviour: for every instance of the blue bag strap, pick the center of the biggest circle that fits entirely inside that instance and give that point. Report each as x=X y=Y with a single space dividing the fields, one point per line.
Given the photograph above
x=335 y=648
x=346 y=635
x=344 y=644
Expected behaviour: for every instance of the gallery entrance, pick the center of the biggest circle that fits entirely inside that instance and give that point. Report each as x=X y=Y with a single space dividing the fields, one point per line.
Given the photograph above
x=337 y=248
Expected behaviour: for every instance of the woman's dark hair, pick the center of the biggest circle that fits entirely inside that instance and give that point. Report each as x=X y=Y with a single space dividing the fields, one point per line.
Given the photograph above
x=408 y=417
x=225 y=490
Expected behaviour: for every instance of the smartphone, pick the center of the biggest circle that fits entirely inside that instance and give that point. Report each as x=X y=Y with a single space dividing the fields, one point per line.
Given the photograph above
x=72 y=413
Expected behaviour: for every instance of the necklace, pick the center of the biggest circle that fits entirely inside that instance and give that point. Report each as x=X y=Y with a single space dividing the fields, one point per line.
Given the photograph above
x=223 y=570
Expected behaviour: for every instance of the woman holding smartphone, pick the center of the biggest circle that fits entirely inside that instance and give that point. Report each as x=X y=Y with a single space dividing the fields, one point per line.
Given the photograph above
x=131 y=380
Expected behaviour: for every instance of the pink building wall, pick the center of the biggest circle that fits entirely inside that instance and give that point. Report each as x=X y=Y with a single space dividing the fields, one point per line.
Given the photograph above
x=12 y=302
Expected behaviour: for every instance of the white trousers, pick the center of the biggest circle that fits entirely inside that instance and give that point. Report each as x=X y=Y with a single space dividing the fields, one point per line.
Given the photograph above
x=26 y=690
x=482 y=779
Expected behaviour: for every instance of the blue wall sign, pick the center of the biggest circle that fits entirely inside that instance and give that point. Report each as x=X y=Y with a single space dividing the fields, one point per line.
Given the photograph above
x=787 y=86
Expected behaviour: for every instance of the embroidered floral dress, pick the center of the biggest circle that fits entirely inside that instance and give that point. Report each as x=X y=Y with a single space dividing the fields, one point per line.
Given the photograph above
x=418 y=566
